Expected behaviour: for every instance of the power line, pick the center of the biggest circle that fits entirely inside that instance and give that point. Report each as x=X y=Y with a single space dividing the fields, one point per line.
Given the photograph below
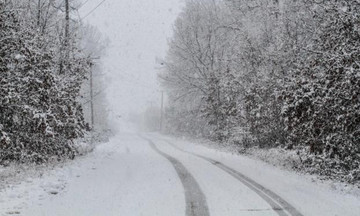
x=83 y=4
x=93 y=10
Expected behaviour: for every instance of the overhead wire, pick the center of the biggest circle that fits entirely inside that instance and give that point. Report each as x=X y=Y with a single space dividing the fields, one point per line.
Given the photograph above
x=93 y=10
x=83 y=4
x=137 y=82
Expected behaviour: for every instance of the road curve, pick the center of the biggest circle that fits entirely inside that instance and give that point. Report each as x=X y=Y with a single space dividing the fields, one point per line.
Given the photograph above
x=195 y=200
x=278 y=204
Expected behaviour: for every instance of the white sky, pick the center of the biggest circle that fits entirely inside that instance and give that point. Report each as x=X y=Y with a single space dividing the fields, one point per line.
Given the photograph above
x=138 y=31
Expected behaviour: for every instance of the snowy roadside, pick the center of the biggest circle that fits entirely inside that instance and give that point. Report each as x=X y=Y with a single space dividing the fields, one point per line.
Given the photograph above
x=287 y=160
x=14 y=174
x=21 y=183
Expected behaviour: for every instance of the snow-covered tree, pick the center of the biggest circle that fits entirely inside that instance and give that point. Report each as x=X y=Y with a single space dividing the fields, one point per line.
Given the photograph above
x=270 y=73
x=322 y=102
x=40 y=115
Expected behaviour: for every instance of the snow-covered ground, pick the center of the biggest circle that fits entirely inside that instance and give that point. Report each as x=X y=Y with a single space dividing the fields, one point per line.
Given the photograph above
x=128 y=177
x=122 y=177
x=308 y=196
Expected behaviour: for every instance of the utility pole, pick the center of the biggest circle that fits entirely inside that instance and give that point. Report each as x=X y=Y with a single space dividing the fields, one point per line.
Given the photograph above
x=67 y=21
x=91 y=97
x=91 y=104
x=38 y=14
x=161 y=111
x=65 y=45
x=67 y=27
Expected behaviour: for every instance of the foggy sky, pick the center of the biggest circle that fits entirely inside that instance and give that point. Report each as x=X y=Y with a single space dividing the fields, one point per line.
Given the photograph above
x=138 y=31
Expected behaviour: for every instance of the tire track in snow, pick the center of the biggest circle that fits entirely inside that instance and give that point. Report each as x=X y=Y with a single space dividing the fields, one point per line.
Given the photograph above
x=195 y=200
x=278 y=204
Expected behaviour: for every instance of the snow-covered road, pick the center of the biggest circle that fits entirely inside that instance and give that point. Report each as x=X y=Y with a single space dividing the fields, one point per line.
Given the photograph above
x=156 y=175
x=277 y=204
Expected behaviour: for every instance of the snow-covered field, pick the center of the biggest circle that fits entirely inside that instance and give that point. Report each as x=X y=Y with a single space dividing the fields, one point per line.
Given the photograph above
x=128 y=177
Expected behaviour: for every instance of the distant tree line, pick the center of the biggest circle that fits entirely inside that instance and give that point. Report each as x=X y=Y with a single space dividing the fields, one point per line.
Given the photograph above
x=270 y=73
x=42 y=68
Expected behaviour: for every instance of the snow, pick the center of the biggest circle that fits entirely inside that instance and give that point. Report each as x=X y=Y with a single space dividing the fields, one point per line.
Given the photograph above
x=126 y=177
x=308 y=196
x=225 y=195
x=19 y=56
x=118 y=178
